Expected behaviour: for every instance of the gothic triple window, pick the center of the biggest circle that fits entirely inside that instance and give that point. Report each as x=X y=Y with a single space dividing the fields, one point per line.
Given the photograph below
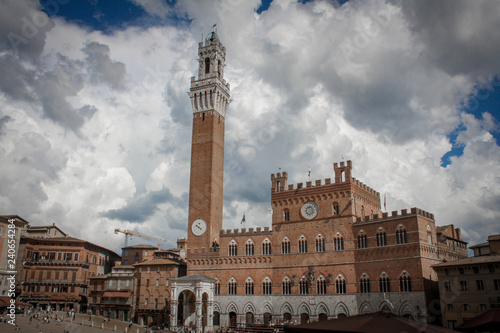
x=285 y=246
x=267 y=286
x=302 y=244
x=249 y=248
x=287 y=286
x=249 y=286
x=364 y=284
x=266 y=247
x=232 y=286
x=304 y=286
x=384 y=283
x=362 y=240
x=338 y=242
x=321 y=285
x=340 y=285
x=381 y=238
x=401 y=236
x=217 y=287
x=405 y=282
x=320 y=244
x=233 y=248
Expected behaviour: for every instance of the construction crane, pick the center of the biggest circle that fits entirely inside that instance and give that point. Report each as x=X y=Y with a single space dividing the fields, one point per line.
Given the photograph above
x=129 y=233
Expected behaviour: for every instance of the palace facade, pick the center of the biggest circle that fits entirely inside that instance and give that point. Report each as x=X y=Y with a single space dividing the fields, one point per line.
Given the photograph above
x=330 y=251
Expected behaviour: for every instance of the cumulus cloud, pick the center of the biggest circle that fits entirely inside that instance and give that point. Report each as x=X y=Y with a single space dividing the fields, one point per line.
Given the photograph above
x=99 y=124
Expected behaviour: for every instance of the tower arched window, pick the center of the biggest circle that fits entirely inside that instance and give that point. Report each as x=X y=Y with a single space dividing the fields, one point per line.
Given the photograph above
x=249 y=286
x=320 y=243
x=321 y=285
x=219 y=68
x=232 y=286
x=217 y=287
x=340 y=284
x=233 y=248
x=381 y=238
x=338 y=242
x=384 y=283
x=249 y=248
x=362 y=240
x=207 y=65
x=304 y=286
x=286 y=214
x=285 y=246
x=405 y=282
x=266 y=247
x=364 y=284
x=336 y=209
x=287 y=286
x=401 y=236
x=302 y=244
x=267 y=286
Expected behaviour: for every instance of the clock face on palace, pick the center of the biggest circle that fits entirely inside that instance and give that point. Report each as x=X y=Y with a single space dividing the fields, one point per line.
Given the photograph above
x=199 y=227
x=309 y=210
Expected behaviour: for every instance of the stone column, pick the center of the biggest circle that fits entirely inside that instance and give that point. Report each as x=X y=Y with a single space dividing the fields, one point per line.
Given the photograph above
x=173 y=314
x=199 y=309
x=210 y=316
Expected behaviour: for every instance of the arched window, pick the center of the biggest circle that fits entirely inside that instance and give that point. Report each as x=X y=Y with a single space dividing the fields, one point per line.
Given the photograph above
x=287 y=286
x=384 y=283
x=249 y=248
x=362 y=240
x=249 y=286
x=219 y=69
x=286 y=214
x=336 y=209
x=232 y=286
x=321 y=285
x=381 y=237
x=266 y=247
x=285 y=246
x=216 y=321
x=401 y=237
x=267 y=286
x=302 y=244
x=340 y=285
x=233 y=248
x=429 y=235
x=362 y=213
x=364 y=284
x=405 y=282
x=320 y=243
x=304 y=286
x=207 y=65
x=338 y=242
x=217 y=287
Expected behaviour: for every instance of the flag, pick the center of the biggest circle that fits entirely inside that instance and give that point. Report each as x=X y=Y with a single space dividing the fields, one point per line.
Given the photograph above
x=243 y=219
x=309 y=173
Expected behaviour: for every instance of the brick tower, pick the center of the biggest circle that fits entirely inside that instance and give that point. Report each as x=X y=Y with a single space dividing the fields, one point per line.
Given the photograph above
x=209 y=98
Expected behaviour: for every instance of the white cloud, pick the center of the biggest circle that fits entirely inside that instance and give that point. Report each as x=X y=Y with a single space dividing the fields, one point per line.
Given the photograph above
x=99 y=125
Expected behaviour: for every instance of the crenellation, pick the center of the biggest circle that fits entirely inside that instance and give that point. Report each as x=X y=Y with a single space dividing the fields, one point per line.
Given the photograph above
x=309 y=184
x=318 y=182
x=328 y=181
x=396 y=214
x=290 y=187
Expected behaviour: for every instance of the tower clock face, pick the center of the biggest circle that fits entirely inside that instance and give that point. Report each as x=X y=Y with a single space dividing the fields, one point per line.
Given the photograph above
x=199 y=227
x=309 y=210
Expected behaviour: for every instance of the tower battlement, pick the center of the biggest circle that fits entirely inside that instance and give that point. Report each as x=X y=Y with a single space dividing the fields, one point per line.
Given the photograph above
x=395 y=214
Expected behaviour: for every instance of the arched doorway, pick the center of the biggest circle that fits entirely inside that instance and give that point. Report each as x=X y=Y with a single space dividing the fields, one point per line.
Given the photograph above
x=216 y=318
x=304 y=318
x=186 y=309
x=232 y=318
x=287 y=317
x=268 y=317
x=249 y=318
x=322 y=316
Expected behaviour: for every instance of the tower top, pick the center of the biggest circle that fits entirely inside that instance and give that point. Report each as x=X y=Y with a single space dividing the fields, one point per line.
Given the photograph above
x=210 y=91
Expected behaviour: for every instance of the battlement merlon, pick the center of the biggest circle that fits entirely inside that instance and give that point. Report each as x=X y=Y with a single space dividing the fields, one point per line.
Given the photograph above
x=279 y=182
x=395 y=214
x=244 y=231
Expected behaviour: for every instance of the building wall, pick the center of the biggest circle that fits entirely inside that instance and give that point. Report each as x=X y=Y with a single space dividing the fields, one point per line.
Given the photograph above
x=56 y=271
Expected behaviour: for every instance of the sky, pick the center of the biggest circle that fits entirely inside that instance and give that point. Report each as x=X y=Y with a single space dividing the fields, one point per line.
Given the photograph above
x=95 y=120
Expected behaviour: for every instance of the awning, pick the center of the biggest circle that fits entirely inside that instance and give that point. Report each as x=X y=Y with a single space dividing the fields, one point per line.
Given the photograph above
x=117 y=294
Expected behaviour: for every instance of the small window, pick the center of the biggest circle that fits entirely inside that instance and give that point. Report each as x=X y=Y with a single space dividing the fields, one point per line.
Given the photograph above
x=286 y=214
x=463 y=285
x=475 y=269
x=207 y=65
x=479 y=285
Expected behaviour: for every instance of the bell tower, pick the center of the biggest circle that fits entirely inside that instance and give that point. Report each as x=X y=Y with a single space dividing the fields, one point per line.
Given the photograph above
x=209 y=95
